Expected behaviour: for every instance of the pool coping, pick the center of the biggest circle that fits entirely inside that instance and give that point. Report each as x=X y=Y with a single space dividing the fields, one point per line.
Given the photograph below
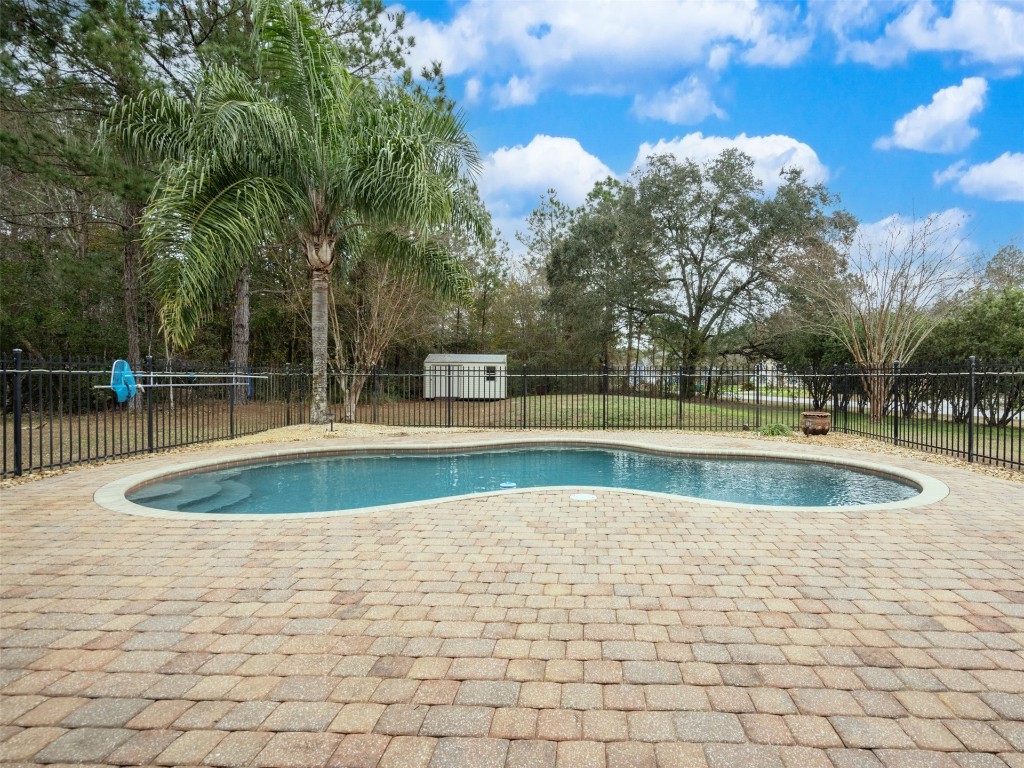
x=112 y=496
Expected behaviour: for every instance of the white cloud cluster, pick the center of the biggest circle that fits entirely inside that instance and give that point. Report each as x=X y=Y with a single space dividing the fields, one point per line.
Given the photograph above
x=547 y=161
x=1001 y=179
x=473 y=88
x=516 y=92
x=770 y=154
x=990 y=31
x=515 y=51
x=780 y=36
x=513 y=178
x=524 y=48
x=896 y=231
x=687 y=102
x=943 y=125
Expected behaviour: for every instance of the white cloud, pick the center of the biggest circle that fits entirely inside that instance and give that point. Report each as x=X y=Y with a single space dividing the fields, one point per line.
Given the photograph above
x=603 y=47
x=770 y=154
x=513 y=179
x=990 y=31
x=516 y=176
x=942 y=125
x=473 y=88
x=1002 y=179
x=719 y=57
x=516 y=92
x=778 y=48
x=685 y=103
x=897 y=229
x=842 y=19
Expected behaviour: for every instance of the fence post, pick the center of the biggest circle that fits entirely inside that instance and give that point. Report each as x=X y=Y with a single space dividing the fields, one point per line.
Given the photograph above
x=288 y=394
x=679 y=400
x=524 y=395
x=449 y=395
x=846 y=397
x=971 y=394
x=373 y=394
x=231 y=398
x=757 y=396
x=17 y=412
x=149 y=404
x=604 y=396
x=835 y=391
x=896 y=402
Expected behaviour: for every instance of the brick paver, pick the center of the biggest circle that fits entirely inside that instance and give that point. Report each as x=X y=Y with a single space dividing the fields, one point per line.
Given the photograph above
x=527 y=629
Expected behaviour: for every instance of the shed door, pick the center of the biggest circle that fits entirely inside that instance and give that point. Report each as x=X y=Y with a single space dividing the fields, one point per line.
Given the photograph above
x=447 y=380
x=455 y=383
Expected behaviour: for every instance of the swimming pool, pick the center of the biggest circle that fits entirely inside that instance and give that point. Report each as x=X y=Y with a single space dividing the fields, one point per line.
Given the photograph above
x=351 y=481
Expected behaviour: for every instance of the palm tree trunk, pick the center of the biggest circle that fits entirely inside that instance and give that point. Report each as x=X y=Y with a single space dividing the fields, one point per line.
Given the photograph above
x=318 y=412
x=240 y=332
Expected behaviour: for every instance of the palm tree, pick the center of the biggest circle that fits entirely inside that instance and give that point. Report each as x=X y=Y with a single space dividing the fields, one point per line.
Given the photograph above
x=305 y=154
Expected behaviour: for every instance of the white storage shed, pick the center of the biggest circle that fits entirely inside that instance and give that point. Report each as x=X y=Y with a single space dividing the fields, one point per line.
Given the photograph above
x=465 y=377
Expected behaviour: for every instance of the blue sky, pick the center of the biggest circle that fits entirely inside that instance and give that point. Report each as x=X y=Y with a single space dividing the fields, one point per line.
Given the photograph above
x=904 y=107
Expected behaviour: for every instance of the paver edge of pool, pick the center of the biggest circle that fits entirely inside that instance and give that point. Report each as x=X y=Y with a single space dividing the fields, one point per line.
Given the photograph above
x=113 y=495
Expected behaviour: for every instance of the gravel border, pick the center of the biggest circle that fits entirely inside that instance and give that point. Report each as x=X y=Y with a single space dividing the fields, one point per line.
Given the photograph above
x=338 y=431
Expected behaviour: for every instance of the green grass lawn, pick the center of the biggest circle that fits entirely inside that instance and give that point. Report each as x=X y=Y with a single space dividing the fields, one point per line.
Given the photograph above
x=592 y=411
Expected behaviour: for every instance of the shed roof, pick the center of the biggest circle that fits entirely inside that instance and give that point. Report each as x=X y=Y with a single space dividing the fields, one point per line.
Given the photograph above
x=442 y=358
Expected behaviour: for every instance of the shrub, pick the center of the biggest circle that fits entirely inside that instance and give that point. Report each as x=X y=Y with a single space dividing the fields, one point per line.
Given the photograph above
x=774 y=430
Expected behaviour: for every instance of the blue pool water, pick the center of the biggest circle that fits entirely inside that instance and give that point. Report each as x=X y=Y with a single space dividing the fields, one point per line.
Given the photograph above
x=322 y=483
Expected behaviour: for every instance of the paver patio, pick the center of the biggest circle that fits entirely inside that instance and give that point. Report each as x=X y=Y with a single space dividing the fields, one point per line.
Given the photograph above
x=521 y=630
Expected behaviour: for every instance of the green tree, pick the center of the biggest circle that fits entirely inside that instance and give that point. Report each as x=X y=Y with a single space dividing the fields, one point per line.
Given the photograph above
x=546 y=225
x=489 y=267
x=307 y=153
x=523 y=327
x=69 y=210
x=988 y=325
x=604 y=277
x=729 y=250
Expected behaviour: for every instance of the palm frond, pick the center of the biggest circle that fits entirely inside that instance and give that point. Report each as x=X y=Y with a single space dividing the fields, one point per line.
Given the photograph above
x=427 y=261
x=153 y=123
x=405 y=160
x=204 y=225
x=295 y=54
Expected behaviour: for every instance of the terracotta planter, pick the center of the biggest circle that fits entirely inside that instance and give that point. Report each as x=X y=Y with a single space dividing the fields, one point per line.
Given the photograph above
x=815 y=422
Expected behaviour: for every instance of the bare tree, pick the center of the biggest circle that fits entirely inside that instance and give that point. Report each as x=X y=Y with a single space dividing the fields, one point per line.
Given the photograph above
x=381 y=305
x=898 y=286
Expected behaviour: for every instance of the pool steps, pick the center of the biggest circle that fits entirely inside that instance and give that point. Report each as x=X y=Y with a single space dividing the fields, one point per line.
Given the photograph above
x=206 y=497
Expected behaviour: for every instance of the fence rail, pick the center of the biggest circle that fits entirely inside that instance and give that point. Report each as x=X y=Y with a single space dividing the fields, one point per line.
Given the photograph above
x=60 y=413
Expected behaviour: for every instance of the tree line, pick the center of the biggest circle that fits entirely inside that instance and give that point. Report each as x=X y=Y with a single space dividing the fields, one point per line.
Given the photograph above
x=178 y=181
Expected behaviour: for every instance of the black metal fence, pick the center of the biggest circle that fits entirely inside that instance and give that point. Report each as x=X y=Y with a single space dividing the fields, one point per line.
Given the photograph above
x=60 y=413
x=967 y=410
